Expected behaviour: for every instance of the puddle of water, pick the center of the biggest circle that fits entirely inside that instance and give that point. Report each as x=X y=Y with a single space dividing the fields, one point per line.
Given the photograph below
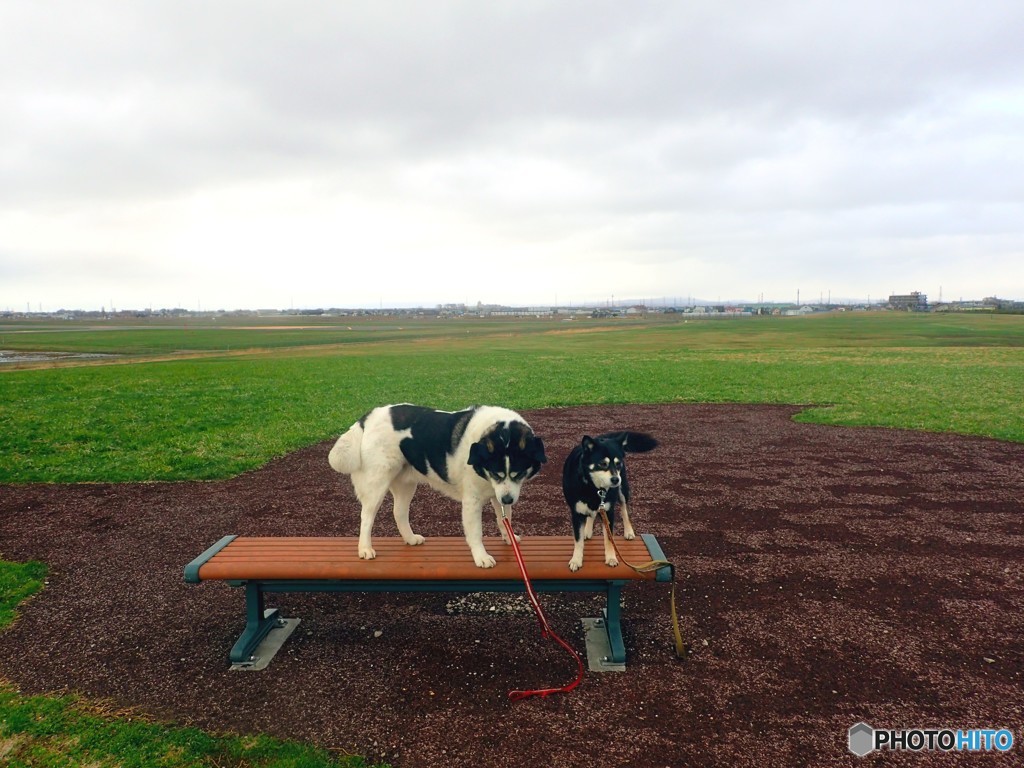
x=10 y=356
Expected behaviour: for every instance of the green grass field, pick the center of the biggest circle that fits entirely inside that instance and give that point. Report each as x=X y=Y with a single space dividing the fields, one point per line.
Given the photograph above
x=217 y=414
x=66 y=732
x=227 y=400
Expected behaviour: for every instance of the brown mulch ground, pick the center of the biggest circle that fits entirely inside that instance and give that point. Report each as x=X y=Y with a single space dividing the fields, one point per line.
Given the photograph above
x=827 y=576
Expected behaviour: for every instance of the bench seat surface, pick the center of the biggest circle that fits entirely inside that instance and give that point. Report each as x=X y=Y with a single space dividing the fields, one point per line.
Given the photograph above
x=440 y=558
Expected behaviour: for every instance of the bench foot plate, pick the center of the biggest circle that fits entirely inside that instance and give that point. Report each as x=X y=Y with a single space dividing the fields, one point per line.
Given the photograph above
x=268 y=646
x=599 y=649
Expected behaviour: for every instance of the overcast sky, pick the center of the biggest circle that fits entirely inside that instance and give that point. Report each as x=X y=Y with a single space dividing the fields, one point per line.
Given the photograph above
x=313 y=154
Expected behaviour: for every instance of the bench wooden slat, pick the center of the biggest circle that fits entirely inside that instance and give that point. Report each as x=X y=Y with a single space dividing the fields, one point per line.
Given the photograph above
x=440 y=558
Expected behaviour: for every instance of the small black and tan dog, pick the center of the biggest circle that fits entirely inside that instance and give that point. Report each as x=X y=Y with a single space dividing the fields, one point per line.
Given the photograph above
x=594 y=475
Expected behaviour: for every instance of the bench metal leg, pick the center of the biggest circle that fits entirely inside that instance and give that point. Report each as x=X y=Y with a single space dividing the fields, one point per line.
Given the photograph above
x=612 y=615
x=258 y=623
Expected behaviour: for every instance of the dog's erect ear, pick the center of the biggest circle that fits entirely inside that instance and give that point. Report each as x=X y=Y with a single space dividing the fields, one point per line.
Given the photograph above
x=588 y=443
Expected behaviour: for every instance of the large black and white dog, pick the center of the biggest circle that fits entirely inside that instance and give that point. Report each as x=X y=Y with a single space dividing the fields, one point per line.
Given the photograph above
x=484 y=453
x=594 y=475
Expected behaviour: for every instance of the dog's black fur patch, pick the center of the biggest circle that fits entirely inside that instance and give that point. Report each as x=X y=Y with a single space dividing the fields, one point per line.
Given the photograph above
x=434 y=435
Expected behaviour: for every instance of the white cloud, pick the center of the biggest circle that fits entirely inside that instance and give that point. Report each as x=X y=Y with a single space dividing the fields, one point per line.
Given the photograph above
x=352 y=153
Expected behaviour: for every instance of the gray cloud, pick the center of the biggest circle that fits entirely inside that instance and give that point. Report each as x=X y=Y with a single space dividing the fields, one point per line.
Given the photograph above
x=704 y=135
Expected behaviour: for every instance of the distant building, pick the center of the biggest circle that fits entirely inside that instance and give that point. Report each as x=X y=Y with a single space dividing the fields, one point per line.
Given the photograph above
x=913 y=302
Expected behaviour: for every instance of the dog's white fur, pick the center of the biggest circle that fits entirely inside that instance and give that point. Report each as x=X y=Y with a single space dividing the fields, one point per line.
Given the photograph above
x=370 y=454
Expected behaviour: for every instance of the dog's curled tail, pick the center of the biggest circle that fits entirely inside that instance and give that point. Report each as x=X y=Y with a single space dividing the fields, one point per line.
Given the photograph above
x=345 y=456
x=633 y=442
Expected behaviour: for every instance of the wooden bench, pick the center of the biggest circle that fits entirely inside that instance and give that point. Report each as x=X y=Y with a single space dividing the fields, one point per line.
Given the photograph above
x=265 y=565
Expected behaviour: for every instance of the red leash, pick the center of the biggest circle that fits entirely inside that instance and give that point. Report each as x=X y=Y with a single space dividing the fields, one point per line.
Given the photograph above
x=545 y=629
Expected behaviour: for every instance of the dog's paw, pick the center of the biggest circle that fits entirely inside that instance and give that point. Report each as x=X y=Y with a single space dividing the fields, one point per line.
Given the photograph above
x=367 y=553
x=504 y=537
x=629 y=534
x=415 y=540
x=575 y=564
x=484 y=561
x=611 y=562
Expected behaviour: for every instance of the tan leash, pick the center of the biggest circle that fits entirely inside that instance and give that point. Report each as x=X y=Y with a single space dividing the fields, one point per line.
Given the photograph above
x=652 y=565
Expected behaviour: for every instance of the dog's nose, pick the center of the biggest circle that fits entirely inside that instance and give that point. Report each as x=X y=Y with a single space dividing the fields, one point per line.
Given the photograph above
x=507 y=499
x=615 y=481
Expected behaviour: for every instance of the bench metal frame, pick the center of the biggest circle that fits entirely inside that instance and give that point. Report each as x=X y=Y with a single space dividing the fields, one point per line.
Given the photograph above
x=259 y=621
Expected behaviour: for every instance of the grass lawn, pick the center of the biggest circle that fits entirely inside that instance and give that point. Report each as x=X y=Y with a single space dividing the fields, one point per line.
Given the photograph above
x=214 y=416
x=67 y=731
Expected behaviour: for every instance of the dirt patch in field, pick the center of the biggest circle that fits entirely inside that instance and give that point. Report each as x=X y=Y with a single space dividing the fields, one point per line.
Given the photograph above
x=827 y=576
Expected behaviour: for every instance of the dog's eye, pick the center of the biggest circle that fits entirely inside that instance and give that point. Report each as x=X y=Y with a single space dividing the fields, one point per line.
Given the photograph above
x=519 y=475
x=498 y=475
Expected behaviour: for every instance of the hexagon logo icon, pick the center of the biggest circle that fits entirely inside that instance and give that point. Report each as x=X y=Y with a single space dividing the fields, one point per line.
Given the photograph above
x=861 y=739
